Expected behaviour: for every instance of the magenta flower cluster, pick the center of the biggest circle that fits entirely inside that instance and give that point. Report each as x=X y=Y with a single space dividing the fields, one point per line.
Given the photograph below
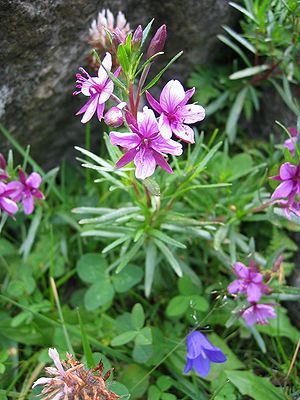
x=149 y=141
x=250 y=283
x=25 y=190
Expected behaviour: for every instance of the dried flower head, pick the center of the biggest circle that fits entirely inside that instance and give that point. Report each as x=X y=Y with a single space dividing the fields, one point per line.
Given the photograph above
x=71 y=380
x=98 y=39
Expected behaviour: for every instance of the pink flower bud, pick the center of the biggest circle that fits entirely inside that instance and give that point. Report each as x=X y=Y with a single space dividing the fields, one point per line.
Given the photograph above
x=118 y=37
x=158 y=41
x=114 y=117
x=137 y=38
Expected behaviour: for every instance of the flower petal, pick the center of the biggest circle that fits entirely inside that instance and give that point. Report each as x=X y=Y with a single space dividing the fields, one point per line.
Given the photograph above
x=147 y=123
x=124 y=139
x=183 y=132
x=8 y=205
x=202 y=366
x=162 y=162
x=126 y=158
x=166 y=146
x=34 y=180
x=283 y=190
x=100 y=109
x=216 y=355
x=106 y=91
x=188 y=366
x=171 y=95
x=249 y=316
x=107 y=63
x=41 y=381
x=188 y=94
x=287 y=171
x=191 y=113
x=153 y=103
x=164 y=126
x=194 y=344
x=90 y=111
x=53 y=353
x=254 y=292
x=145 y=164
x=236 y=286
x=240 y=270
x=28 y=204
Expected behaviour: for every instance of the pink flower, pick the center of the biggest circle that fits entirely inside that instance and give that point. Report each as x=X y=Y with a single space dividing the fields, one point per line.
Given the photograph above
x=99 y=89
x=6 y=203
x=26 y=190
x=259 y=314
x=289 y=206
x=145 y=145
x=174 y=111
x=290 y=144
x=249 y=282
x=289 y=175
x=3 y=174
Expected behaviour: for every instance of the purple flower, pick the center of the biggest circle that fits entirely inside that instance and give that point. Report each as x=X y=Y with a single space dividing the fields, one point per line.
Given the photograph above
x=175 y=112
x=6 y=203
x=26 y=190
x=3 y=174
x=249 y=282
x=145 y=145
x=290 y=144
x=158 y=41
x=289 y=206
x=259 y=314
x=289 y=175
x=200 y=353
x=99 y=89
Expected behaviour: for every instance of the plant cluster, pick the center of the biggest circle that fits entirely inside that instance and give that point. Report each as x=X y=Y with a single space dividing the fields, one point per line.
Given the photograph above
x=140 y=275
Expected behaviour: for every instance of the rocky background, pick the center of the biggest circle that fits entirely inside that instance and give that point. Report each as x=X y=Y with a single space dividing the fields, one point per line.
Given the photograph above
x=42 y=43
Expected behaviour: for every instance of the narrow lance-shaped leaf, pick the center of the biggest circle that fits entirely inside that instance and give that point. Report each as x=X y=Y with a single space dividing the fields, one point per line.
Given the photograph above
x=169 y=257
x=158 y=76
x=240 y=39
x=130 y=254
x=151 y=260
x=85 y=344
x=231 y=124
x=243 y=73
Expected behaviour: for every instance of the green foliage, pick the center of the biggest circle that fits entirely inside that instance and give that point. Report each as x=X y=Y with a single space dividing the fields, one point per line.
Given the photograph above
x=266 y=48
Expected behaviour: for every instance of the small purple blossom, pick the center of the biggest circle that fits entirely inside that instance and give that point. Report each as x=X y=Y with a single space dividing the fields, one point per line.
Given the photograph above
x=114 y=116
x=146 y=147
x=289 y=207
x=174 y=111
x=259 y=314
x=3 y=174
x=200 y=353
x=26 y=190
x=249 y=282
x=289 y=175
x=99 y=89
x=290 y=144
x=6 y=203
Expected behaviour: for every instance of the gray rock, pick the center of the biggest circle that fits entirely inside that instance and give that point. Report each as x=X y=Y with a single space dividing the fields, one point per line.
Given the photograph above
x=42 y=43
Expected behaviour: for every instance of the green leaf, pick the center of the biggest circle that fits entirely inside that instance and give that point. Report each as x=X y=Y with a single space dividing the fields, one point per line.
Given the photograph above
x=152 y=186
x=243 y=73
x=150 y=267
x=165 y=238
x=98 y=294
x=146 y=32
x=164 y=382
x=153 y=393
x=119 y=389
x=234 y=47
x=243 y=10
x=234 y=114
x=198 y=303
x=6 y=248
x=254 y=386
x=85 y=343
x=137 y=316
x=177 y=306
x=136 y=379
x=91 y=267
x=123 y=59
x=186 y=286
x=130 y=254
x=240 y=39
x=144 y=337
x=158 y=76
x=169 y=257
x=168 y=396
x=127 y=278
x=124 y=338
x=141 y=354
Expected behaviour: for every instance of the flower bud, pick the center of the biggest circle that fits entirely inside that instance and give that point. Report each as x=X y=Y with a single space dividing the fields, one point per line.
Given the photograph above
x=137 y=38
x=158 y=41
x=118 y=37
x=114 y=117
